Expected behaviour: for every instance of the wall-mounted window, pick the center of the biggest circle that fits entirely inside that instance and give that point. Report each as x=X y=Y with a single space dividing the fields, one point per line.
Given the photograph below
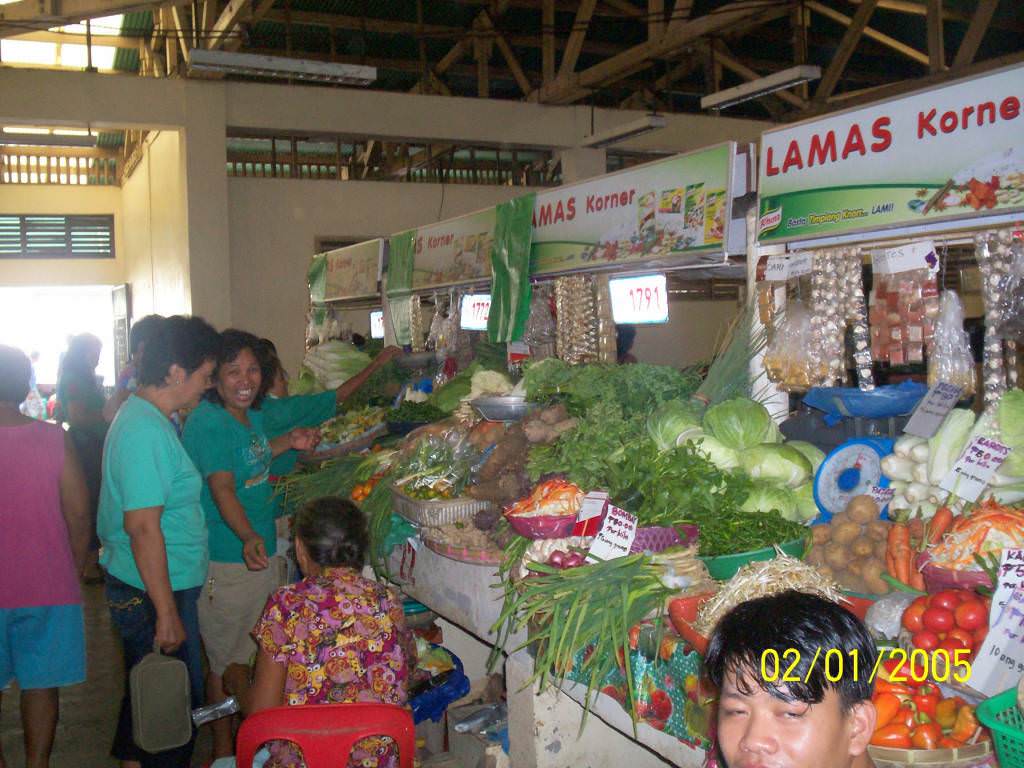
x=56 y=237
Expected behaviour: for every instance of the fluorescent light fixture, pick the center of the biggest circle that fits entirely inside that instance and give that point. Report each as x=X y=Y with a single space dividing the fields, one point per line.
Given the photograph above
x=625 y=131
x=755 y=89
x=229 y=62
x=46 y=140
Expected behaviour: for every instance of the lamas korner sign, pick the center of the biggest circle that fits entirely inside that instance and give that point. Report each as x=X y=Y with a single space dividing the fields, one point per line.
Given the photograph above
x=954 y=151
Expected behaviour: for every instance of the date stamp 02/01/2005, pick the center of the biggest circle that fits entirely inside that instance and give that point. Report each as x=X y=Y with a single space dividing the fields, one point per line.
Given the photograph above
x=914 y=667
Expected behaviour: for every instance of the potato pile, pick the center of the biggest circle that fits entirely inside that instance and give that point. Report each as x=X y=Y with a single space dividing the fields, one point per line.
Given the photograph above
x=851 y=548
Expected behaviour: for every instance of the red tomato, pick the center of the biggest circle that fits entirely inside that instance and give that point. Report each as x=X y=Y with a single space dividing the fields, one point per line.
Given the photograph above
x=921 y=600
x=947 y=599
x=952 y=644
x=979 y=636
x=925 y=640
x=962 y=635
x=970 y=615
x=937 y=619
x=912 y=617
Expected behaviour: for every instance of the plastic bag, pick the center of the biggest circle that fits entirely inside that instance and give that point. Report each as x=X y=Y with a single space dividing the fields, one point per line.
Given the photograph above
x=1009 y=295
x=950 y=359
x=786 y=358
x=903 y=310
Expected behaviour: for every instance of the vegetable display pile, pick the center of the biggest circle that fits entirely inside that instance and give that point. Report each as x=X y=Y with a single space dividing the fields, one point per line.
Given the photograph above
x=951 y=620
x=335 y=362
x=416 y=412
x=438 y=468
x=351 y=425
x=852 y=548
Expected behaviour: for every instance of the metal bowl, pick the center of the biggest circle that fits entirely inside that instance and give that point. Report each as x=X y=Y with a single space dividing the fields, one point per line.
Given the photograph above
x=502 y=407
x=414 y=360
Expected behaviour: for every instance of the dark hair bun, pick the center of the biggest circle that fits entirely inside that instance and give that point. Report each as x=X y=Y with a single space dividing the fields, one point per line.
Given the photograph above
x=333 y=531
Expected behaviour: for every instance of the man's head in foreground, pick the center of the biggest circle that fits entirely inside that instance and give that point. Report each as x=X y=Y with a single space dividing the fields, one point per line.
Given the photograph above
x=811 y=723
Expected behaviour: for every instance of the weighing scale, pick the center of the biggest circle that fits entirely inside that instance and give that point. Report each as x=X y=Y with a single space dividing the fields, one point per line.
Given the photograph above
x=850 y=470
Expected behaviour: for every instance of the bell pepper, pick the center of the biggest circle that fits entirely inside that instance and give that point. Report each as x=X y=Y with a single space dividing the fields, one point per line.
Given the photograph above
x=926 y=699
x=966 y=727
x=926 y=736
x=896 y=736
x=945 y=711
x=905 y=716
x=900 y=689
x=887 y=705
x=900 y=669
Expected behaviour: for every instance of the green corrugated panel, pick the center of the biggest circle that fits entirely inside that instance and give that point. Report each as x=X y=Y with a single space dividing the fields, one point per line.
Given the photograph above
x=110 y=139
x=136 y=24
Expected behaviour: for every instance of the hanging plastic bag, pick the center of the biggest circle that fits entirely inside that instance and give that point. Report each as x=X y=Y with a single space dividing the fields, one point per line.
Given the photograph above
x=1009 y=297
x=786 y=358
x=951 y=359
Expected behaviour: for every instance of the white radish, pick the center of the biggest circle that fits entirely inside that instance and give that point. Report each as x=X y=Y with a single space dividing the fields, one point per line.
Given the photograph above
x=898 y=468
x=898 y=486
x=916 y=493
x=920 y=453
x=920 y=473
x=898 y=502
x=906 y=444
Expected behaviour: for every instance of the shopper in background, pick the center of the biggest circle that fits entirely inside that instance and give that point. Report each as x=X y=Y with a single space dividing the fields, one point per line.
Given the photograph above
x=625 y=336
x=816 y=723
x=127 y=379
x=334 y=637
x=151 y=520
x=80 y=402
x=228 y=438
x=45 y=524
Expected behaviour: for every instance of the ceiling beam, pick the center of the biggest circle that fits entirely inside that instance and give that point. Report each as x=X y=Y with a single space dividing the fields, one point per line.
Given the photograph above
x=890 y=42
x=547 y=35
x=975 y=33
x=678 y=36
x=43 y=14
x=917 y=8
x=567 y=6
x=915 y=84
x=624 y=7
x=495 y=8
x=180 y=32
x=830 y=79
x=579 y=31
x=936 y=45
x=118 y=41
x=227 y=23
x=655 y=19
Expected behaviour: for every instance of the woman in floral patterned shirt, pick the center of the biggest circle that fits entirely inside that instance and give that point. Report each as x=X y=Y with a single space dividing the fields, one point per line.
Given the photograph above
x=333 y=637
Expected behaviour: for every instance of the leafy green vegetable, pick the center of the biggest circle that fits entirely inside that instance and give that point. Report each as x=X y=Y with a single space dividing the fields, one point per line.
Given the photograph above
x=812 y=453
x=380 y=388
x=740 y=423
x=637 y=388
x=945 y=447
x=745 y=531
x=416 y=412
x=766 y=496
x=673 y=423
x=448 y=396
x=720 y=455
x=780 y=463
x=1011 y=418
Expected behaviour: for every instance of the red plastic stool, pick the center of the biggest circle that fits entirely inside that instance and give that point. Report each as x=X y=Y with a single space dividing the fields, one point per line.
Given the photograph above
x=326 y=733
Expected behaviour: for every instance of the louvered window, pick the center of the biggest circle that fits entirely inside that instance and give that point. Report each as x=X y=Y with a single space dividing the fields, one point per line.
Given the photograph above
x=56 y=237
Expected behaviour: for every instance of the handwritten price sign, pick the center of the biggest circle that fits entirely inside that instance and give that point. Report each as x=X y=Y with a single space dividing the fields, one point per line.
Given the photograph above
x=616 y=535
x=999 y=662
x=475 y=309
x=639 y=300
x=975 y=467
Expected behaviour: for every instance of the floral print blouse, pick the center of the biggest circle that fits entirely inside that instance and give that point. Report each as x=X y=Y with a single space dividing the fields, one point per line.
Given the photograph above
x=343 y=640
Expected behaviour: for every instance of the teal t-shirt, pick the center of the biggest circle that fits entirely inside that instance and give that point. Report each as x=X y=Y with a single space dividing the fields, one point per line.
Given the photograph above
x=145 y=465
x=283 y=414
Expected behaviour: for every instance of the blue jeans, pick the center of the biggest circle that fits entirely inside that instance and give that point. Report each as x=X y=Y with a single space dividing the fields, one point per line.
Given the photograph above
x=134 y=617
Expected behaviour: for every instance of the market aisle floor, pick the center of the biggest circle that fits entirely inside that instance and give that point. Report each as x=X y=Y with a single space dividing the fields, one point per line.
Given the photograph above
x=87 y=711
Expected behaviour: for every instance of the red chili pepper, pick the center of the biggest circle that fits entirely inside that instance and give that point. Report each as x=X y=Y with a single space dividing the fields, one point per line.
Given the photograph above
x=899 y=689
x=887 y=705
x=926 y=700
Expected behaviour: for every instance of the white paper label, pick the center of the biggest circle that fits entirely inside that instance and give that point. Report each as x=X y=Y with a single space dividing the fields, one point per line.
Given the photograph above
x=780 y=268
x=615 y=537
x=933 y=409
x=593 y=505
x=975 y=467
x=639 y=300
x=905 y=258
x=882 y=496
x=474 y=311
x=999 y=662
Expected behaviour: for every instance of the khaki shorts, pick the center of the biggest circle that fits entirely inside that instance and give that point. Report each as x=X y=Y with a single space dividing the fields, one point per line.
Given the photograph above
x=231 y=602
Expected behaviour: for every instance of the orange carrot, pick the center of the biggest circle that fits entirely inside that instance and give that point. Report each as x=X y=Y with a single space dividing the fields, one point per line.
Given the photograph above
x=940 y=523
x=917 y=579
x=898 y=545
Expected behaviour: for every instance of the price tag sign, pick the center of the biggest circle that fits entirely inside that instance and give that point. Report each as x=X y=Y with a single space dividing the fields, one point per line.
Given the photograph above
x=474 y=311
x=905 y=258
x=615 y=537
x=786 y=267
x=882 y=496
x=588 y=519
x=639 y=300
x=975 y=467
x=377 y=324
x=933 y=409
x=999 y=662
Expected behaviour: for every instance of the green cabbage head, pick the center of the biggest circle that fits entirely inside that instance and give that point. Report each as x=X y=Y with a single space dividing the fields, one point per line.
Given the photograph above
x=740 y=423
x=780 y=463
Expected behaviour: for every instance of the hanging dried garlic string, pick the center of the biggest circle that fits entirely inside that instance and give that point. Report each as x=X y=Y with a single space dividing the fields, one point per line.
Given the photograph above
x=989 y=253
x=857 y=314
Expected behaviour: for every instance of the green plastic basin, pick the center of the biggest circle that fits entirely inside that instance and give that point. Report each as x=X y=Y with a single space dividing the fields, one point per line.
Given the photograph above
x=724 y=567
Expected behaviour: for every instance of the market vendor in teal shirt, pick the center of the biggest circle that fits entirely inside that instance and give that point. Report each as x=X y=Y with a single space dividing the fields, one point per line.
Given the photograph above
x=233 y=438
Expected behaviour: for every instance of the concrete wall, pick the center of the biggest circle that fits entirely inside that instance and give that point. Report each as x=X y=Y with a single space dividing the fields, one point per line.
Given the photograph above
x=274 y=225
x=156 y=229
x=691 y=334
x=56 y=199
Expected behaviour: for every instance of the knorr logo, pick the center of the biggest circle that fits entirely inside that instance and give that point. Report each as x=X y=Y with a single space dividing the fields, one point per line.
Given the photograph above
x=770 y=220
